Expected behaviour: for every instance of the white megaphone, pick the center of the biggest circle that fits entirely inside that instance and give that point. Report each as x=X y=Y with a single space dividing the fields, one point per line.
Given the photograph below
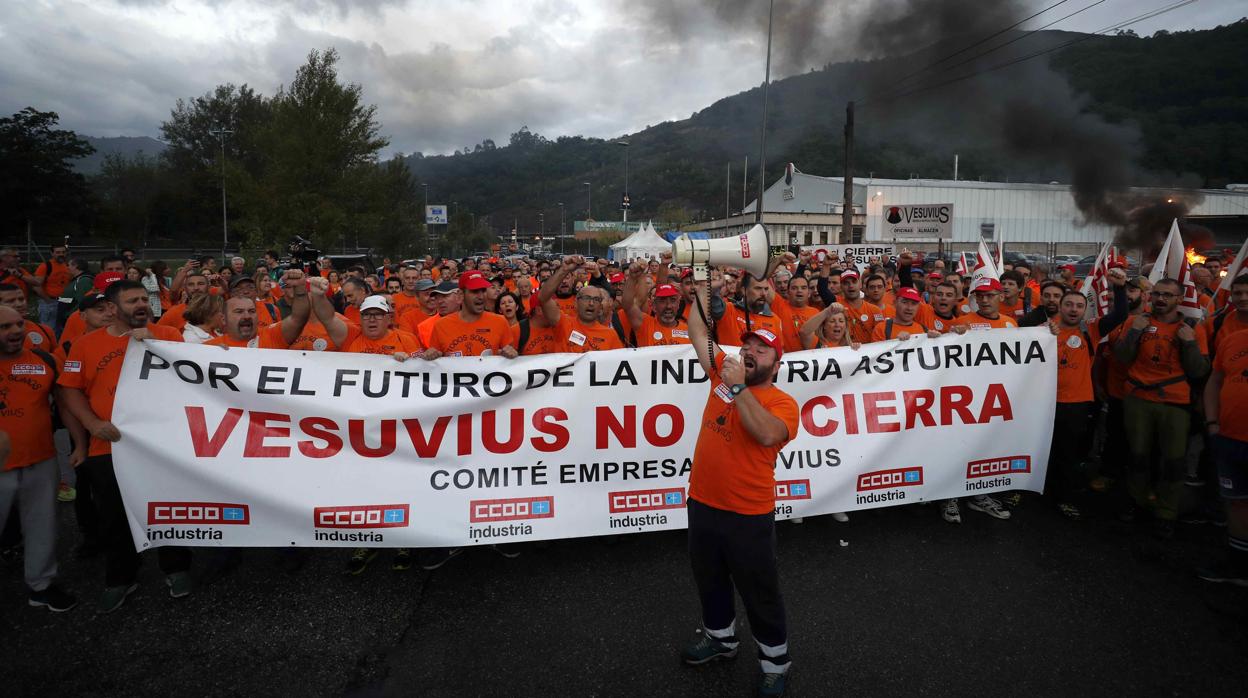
x=749 y=251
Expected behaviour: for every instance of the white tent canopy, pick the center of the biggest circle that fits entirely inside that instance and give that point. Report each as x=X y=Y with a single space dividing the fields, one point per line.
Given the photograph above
x=646 y=243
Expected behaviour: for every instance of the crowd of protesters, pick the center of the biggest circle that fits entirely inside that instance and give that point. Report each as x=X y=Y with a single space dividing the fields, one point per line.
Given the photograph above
x=1151 y=419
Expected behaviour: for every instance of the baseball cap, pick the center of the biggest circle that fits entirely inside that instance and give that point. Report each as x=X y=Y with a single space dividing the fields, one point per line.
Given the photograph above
x=1117 y=263
x=986 y=285
x=909 y=294
x=473 y=281
x=425 y=284
x=240 y=279
x=375 y=303
x=447 y=286
x=104 y=278
x=666 y=291
x=849 y=273
x=935 y=275
x=92 y=300
x=617 y=278
x=1064 y=267
x=686 y=272
x=769 y=338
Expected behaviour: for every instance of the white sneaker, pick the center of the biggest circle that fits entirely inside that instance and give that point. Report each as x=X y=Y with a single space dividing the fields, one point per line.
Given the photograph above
x=796 y=519
x=840 y=517
x=987 y=505
x=950 y=511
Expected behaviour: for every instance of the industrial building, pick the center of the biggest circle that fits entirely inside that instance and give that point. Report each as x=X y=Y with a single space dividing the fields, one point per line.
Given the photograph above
x=1040 y=218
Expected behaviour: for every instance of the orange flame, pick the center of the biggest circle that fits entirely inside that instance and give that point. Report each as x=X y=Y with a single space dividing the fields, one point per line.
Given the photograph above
x=1193 y=258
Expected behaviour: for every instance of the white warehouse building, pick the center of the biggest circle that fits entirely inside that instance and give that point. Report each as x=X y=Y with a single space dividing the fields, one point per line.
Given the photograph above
x=1028 y=217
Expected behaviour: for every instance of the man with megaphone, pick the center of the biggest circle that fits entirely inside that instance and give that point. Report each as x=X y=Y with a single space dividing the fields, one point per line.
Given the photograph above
x=731 y=507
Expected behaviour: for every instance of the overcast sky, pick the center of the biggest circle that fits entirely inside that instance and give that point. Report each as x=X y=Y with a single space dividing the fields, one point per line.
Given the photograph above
x=444 y=73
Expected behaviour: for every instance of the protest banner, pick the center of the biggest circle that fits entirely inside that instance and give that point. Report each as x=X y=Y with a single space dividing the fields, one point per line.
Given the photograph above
x=245 y=447
x=861 y=253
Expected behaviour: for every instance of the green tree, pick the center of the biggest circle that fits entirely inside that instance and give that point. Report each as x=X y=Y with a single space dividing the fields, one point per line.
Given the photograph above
x=128 y=190
x=37 y=182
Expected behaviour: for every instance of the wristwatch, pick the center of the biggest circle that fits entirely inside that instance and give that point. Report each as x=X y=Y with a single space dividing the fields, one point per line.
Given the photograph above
x=736 y=389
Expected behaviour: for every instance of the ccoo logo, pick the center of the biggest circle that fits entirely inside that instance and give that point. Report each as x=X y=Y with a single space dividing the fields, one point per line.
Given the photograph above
x=792 y=489
x=362 y=516
x=517 y=509
x=646 y=500
x=1007 y=465
x=885 y=479
x=197 y=513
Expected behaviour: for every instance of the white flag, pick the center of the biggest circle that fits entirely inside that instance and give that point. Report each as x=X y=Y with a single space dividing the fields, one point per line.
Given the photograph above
x=1236 y=268
x=1172 y=263
x=985 y=268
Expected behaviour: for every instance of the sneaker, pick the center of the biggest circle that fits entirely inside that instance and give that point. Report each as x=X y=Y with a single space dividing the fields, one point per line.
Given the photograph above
x=797 y=520
x=950 y=512
x=840 y=517
x=436 y=557
x=987 y=505
x=1229 y=570
x=707 y=649
x=179 y=584
x=65 y=493
x=510 y=551
x=114 y=597
x=771 y=684
x=1070 y=511
x=1012 y=500
x=53 y=598
x=403 y=560
x=360 y=559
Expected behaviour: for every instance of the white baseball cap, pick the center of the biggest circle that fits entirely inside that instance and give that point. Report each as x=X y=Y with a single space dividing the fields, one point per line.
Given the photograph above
x=375 y=303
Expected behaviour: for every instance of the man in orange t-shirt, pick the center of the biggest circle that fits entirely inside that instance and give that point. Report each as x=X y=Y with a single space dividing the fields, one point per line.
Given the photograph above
x=904 y=323
x=1161 y=352
x=28 y=456
x=732 y=498
x=794 y=310
x=90 y=381
x=472 y=331
x=665 y=327
x=376 y=335
x=1232 y=318
x=426 y=306
x=53 y=276
x=581 y=331
x=736 y=321
x=38 y=335
x=1226 y=414
x=861 y=315
x=244 y=328
x=196 y=285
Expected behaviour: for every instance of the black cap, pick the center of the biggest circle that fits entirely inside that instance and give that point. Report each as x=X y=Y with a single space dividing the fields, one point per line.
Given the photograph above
x=446 y=286
x=92 y=300
x=240 y=278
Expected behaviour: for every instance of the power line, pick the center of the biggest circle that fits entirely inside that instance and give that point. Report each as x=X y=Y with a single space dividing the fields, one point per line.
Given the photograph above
x=1121 y=25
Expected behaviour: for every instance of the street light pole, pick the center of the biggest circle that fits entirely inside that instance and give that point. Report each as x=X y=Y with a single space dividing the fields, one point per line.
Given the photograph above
x=562 y=228
x=221 y=132
x=626 y=145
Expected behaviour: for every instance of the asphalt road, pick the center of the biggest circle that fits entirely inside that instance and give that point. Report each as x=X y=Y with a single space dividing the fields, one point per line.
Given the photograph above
x=912 y=606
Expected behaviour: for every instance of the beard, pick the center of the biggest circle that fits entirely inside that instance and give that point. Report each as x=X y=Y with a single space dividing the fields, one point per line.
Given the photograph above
x=1135 y=304
x=137 y=319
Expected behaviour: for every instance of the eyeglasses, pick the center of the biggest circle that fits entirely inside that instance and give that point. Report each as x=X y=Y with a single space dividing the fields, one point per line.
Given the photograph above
x=590 y=298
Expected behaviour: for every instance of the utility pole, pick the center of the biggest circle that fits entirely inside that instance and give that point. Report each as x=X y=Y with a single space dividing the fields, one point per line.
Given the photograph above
x=762 y=146
x=847 y=209
x=562 y=228
x=221 y=132
x=745 y=186
x=727 y=195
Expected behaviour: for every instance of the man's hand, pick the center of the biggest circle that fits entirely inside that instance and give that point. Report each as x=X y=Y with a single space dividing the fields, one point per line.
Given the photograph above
x=140 y=334
x=637 y=269
x=105 y=431
x=401 y=356
x=933 y=334
x=318 y=286
x=508 y=352
x=905 y=258
x=959 y=329
x=78 y=456
x=1053 y=327
x=293 y=279
x=1117 y=277
x=1141 y=321
x=431 y=355
x=572 y=261
x=805 y=256
x=1186 y=333
x=733 y=371
x=903 y=336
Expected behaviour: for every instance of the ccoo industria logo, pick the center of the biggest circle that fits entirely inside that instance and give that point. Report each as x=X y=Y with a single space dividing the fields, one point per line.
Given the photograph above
x=197 y=514
x=516 y=509
x=362 y=516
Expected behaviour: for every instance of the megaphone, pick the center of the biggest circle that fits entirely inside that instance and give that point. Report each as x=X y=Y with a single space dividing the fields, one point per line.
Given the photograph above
x=749 y=251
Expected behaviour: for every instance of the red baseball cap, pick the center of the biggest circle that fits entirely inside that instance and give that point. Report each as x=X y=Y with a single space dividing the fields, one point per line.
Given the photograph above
x=985 y=285
x=616 y=278
x=935 y=275
x=1117 y=263
x=1071 y=267
x=686 y=272
x=666 y=291
x=767 y=337
x=850 y=272
x=104 y=278
x=473 y=281
x=909 y=294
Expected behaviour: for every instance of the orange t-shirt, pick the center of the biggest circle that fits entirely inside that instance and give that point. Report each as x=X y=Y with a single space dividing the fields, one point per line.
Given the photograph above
x=454 y=337
x=267 y=337
x=1231 y=325
x=25 y=413
x=173 y=317
x=315 y=337
x=732 y=471
x=653 y=333
x=975 y=321
x=39 y=336
x=55 y=277
x=1158 y=360
x=1115 y=370
x=74 y=327
x=862 y=320
x=541 y=340
x=731 y=326
x=403 y=304
x=94 y=367
x=925 y=315
x=391 y=343
x=1074 y=363
x=567 y=306
x=791 y=320
x=574 y=337
x=877 y=333
x=1232 y=362
x=412 y=318
x=267 y=313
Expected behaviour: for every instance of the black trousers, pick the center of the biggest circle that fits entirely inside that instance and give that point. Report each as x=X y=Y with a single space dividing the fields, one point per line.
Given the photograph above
x=121 y=560
x=1117 y=451
x=1072 y=424
x=730 y=550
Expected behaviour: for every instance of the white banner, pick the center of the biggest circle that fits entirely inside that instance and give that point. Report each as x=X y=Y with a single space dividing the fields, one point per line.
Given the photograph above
x=862 y=253
x=929 y=222
x=246 y=447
